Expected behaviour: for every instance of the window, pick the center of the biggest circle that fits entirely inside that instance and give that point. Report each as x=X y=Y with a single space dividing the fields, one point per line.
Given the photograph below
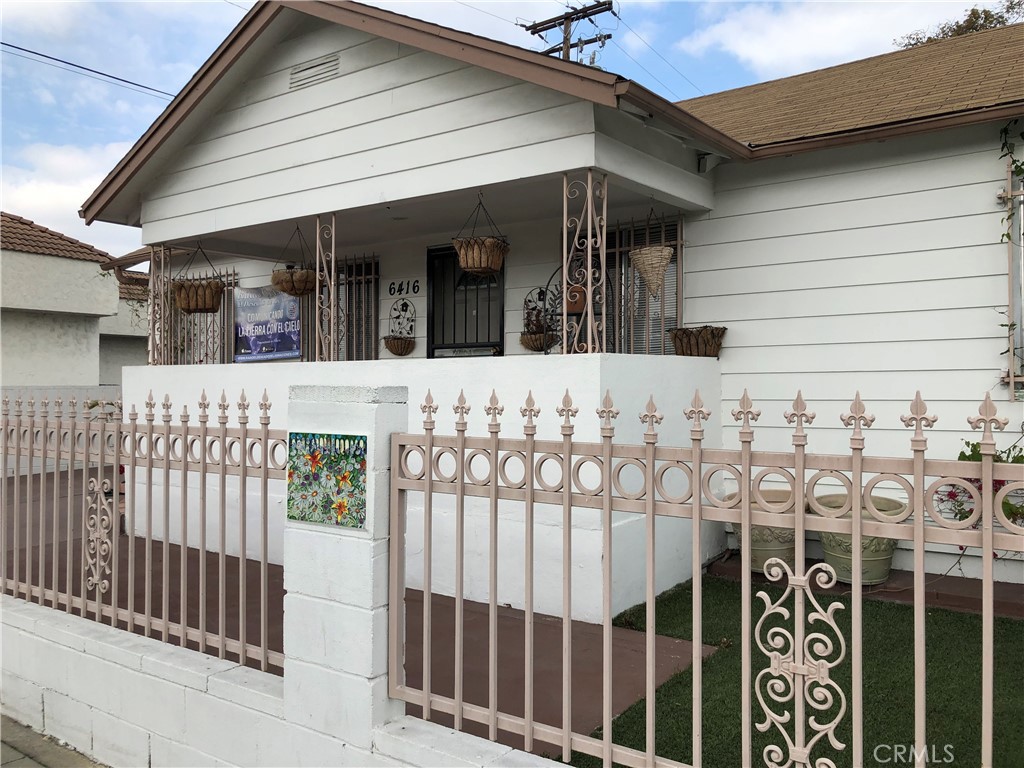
x=466 y=314
x=359 y=295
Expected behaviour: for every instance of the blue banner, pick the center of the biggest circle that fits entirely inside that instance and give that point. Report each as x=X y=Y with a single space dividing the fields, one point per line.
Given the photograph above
x=267 y=325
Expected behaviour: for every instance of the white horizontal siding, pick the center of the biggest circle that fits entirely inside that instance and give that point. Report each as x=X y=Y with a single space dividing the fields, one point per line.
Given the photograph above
x=876 y=268
x=394 y=123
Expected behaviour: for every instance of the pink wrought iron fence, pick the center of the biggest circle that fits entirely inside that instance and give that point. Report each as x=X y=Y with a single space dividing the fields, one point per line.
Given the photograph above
x=107 y=516
x=797 y=697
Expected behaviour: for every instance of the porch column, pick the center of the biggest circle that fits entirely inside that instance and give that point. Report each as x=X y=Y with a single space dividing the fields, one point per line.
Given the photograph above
x=584 y=274
x=336 y=573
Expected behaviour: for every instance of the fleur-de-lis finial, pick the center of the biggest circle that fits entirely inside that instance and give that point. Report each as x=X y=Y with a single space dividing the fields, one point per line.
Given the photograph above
x=17 y=406
x=651 y=416
x=58 y=406
x=429 y=408
x=746 y=413
x=919 y=416
x=530 y=409
x=461 y=409
x=987 y=418
x=204 y=405
x=607 y=411
x=493 y=408
x=150 y=403
x=44 y=407
x=799 y=415
x=697 y=412
x=567 y=410
x=265 y=404
x=243 y=406
x=223 y=404
x=857 y=416
x=166 y=405
x=6 y=405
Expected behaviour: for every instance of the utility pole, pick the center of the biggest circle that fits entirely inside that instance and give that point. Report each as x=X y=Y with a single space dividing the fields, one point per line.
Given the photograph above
x=565 y=21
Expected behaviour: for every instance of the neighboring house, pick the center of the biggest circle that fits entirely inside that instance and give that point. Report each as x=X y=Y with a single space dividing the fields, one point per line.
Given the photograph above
x=63 y=322
x=844 y=225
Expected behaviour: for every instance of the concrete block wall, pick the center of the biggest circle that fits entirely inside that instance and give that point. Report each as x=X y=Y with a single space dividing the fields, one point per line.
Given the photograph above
x=127 y=700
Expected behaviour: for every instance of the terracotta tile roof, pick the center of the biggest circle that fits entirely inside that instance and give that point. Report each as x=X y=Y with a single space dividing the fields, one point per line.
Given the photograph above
x=20 y=234
x=945 y=77
x=133 y=291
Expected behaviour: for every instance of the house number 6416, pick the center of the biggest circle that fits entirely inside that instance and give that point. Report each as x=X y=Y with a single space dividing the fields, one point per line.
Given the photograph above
x=403 y=287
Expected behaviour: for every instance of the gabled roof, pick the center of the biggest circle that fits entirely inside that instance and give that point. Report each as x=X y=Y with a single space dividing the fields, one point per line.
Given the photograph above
x=975 y=76
x=21 y=234
x=577 y=80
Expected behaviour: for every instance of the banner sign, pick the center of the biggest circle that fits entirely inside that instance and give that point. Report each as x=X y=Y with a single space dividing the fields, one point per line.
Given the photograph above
x=267 y=325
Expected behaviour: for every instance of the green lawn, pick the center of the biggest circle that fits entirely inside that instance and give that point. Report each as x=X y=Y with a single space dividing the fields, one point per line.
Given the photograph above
x=953 y=682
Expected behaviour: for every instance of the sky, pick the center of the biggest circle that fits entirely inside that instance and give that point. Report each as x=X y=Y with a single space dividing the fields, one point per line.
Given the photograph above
x=62 y=131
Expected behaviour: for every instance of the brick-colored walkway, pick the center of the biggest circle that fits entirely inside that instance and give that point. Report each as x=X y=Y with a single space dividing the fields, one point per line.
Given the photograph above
x=24 y=748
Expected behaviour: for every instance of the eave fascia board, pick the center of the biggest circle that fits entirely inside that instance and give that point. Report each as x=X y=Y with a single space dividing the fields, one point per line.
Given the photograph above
x=229 y=51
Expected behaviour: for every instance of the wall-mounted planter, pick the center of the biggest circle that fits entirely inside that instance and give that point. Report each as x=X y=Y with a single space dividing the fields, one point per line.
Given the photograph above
x=538 y=342
x=294 y=282
x=198 y=296
x=399 y=345
x=705 y=341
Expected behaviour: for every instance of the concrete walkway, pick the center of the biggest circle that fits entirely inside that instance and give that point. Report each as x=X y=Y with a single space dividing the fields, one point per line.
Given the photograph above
x=24 y=748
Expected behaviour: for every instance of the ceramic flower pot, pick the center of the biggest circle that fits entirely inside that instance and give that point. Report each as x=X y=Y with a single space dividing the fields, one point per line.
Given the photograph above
x=876 y=551
x=767 y=542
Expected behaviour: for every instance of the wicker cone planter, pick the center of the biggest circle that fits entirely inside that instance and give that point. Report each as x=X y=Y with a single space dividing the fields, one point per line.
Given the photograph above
x=481 y=255
x=198 y=296
x=294 y=282
x=399 y=345
x=705 y=341
x=538 y=342
x=652 y=263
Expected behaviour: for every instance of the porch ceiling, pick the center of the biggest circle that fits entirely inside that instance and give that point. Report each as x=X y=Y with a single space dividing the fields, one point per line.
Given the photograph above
x=443 y=215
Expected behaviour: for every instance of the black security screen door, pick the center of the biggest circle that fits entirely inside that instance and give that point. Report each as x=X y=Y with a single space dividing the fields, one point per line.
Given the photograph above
x=467 y=315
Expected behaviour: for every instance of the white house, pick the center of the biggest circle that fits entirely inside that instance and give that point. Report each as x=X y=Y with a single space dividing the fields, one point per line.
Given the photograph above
x=844 y=225
x=64 y=322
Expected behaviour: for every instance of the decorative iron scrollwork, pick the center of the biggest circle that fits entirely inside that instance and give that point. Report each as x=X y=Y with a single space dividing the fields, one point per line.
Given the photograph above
x=99 y=523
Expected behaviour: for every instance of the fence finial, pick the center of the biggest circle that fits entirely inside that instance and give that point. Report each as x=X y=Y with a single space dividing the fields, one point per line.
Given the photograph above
x=72 y=406
x=567 y=410
x=150 y=403
x=5 y=405
x=223 y=405
x=44 y=407
x=746 y=413
x=493 y=408
x=204 y=405
x=651 y=416
x=919 y=416
x=243 y=407
x=857 y=417
x=265 y=405
x=133 y=414
x=987 y=418
x=461 y=409
x=429 y=408
x=697 y=412
x=799 y=415
x=530 y=409
x=607 y=411
x=166 y=405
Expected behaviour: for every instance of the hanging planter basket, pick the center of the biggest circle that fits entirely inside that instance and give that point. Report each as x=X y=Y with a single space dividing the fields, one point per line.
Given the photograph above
x=198 y=296
x=294 y=282
x=705 y=341
x=399 y=345
x=652 y=263
x=538 y=342
x=481 y=254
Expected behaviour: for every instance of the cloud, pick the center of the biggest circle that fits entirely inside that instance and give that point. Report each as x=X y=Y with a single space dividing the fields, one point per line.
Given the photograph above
x=56 y=20
x=48 y=183
x=633 y=39
x=779 y=39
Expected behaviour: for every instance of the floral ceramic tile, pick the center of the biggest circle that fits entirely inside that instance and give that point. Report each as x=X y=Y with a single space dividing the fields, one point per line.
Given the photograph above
x=327 y=479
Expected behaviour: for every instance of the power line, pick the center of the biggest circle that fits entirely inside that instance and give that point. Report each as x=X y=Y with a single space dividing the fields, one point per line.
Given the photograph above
x=84 y=69
x=657 y=53
x=645 y=69
x=84 y=74
x=496 y=16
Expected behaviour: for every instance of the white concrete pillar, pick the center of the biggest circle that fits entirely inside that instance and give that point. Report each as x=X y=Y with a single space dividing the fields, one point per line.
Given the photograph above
x=335 y=609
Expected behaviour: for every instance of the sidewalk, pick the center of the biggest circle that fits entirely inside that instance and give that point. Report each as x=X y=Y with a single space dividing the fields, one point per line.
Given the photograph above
x=24 y=748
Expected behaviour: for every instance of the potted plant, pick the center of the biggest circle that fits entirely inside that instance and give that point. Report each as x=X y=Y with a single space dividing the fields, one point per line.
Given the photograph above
x=539 y=326
x=766 y=541
x=876 y=551
x=955 y=501
x=402 y=339
x=481 y=255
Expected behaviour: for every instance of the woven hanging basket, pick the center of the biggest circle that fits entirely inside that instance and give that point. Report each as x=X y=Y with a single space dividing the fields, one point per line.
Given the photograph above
x=652 y=262
x=198 y=296
x=705 y=341
x=481 y=255
x=294 y=282
x=399 y=345
x=538 y=342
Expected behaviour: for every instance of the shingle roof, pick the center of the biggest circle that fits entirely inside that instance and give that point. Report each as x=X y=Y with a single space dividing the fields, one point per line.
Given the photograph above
x=957 y=75
x=20 y=234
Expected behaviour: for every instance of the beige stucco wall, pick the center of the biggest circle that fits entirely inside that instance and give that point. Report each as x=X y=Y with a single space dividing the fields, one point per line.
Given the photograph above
x=130 y=320
x=117 y=352
x=37 y=283
x=48 y=349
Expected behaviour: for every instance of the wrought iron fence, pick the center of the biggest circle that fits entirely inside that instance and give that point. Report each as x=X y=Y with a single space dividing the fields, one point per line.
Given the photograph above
x=793 y=650
x=126 y=519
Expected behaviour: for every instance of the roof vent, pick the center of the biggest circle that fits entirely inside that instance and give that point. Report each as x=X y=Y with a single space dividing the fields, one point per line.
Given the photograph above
x=315 y=71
